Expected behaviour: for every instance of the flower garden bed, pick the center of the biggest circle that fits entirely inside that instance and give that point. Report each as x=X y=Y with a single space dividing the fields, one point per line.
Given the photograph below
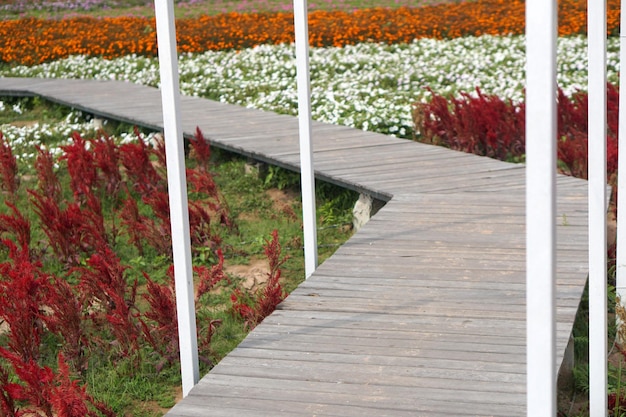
x=368 y=69
x=33 y=41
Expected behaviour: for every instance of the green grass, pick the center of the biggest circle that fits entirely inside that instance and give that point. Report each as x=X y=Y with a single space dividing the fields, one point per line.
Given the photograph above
x=134 y=392
x=252 y=200
x=31 y=109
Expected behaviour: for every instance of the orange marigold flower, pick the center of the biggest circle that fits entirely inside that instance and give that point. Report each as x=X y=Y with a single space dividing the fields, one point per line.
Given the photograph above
x=32 y=41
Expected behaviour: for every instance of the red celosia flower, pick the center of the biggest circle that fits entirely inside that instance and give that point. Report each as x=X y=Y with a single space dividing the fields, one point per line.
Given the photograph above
x=49 y=184
x=255 y=307
x=8 y=167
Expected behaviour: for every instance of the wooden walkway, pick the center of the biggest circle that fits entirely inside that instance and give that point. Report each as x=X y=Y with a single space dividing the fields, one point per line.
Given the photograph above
x=422 y=312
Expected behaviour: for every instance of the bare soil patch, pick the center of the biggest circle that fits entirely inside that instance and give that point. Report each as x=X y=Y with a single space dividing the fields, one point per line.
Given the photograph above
x=254 y=274
x=24 y=123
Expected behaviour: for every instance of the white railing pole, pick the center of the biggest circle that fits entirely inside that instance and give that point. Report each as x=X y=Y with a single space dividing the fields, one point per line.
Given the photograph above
x=306 y=147
x=177 y=187
x=620 y=286
x=541 y=33
x=596 y=35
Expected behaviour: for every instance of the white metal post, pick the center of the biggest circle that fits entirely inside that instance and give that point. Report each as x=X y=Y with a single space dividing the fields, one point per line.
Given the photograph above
x=177 y=187
x=596 y=35
x=541 y=33
x=620 y=286
x=306 y=147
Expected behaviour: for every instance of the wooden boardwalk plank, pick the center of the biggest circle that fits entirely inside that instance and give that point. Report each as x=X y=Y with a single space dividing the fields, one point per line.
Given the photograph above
x=332 y=399
x=420 y=313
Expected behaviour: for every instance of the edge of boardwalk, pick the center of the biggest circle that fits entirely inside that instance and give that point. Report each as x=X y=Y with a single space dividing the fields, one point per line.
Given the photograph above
x=421 y=312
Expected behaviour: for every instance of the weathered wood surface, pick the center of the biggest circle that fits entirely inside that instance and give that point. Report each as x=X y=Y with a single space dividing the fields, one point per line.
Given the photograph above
x=422 y=312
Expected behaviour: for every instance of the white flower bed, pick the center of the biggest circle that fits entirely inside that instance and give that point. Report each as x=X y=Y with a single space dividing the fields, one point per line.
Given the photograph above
x=368 y=86
x=25 y=137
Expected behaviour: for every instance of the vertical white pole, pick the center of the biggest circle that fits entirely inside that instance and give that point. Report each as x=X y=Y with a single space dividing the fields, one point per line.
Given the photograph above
x=541 y=33
x=306 y=147
x=596 y=35
x=620 y=286
x=177 y=186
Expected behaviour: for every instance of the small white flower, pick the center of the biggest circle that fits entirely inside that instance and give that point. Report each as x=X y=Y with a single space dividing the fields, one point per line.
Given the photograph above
x=349 y=85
